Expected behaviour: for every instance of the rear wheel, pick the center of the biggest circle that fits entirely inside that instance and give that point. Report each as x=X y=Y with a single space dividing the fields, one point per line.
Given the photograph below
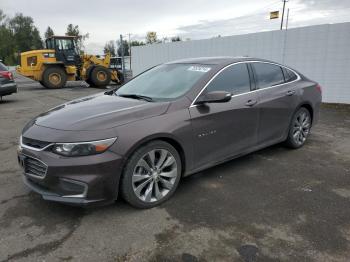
x=151 y=175
x=88 y=81
x=121 y=78
x=100 y=76
x=299 y=128
x=54 y=77
x=88 y=76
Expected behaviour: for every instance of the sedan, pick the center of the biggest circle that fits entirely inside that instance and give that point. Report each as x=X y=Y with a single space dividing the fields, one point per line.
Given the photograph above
x=7 y=83
x=171 y=121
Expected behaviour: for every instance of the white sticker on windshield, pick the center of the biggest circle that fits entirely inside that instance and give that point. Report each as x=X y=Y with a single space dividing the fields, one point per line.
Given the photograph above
x=202 y=69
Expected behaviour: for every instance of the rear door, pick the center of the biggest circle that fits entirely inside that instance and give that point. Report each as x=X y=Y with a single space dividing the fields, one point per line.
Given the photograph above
x=221 y=130
x=277 y=101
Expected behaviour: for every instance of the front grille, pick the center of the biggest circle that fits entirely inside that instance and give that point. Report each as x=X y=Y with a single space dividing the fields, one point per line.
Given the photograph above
x=34 y=143
x=34 y=167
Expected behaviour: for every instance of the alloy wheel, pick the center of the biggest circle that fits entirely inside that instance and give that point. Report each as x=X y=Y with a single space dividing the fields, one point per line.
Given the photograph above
x=154 y=175
x=301 y=127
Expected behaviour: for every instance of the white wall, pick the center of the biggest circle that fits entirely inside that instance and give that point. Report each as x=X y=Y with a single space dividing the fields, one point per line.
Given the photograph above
x=321 y=52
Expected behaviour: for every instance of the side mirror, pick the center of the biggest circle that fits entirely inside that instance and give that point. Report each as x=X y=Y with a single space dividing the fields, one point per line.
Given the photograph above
x=214 y=97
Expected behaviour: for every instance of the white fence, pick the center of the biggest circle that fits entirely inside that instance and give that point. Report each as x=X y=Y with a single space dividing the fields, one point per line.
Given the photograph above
x=321 y=52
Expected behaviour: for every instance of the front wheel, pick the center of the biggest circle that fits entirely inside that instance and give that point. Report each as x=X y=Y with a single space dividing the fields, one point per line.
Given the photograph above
x=100 y=76
x=299 y=128
x=151 y=175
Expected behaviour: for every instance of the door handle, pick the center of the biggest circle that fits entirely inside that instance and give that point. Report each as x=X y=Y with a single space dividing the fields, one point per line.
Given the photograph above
x=290 y=92
x=251 y=102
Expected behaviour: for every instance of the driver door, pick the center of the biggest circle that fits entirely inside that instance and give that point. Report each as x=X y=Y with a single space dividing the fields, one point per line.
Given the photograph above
x=222 y=130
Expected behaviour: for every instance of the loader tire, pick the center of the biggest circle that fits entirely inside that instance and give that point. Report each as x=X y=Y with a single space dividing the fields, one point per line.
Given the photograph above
x=88 y=76
x=54 y=78
x=121 y=78
x=89 y=82
x=100 y=76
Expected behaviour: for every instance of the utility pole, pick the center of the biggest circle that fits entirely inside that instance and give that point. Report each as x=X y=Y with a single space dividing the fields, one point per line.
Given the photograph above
x=284 y=6
x=123 y=56
x=287 y=19
x=130 y=52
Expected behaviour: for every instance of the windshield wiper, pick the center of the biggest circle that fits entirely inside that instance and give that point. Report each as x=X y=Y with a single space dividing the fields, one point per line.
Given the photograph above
x=136 y=96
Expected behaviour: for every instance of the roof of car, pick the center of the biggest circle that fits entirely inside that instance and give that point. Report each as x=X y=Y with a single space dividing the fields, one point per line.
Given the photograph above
x=216 y=60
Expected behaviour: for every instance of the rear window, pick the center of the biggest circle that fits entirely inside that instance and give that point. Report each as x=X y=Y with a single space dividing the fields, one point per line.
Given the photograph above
x=289 y=75
x=268 y=74
x=3 y=67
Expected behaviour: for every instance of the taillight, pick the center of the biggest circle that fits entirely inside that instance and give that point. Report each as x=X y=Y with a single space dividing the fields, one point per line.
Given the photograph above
x=319 y=88
x=6 y=74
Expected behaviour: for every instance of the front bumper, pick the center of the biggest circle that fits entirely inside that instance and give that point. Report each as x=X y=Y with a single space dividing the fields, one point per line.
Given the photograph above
x=86 y=181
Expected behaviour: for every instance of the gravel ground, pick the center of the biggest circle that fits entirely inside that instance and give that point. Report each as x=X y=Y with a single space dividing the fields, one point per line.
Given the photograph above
x=273 y=205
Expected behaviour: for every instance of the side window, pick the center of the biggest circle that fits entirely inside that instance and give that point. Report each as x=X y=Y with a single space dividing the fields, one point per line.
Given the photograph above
x=268 y=74
x=234 y=79
x=289 y=75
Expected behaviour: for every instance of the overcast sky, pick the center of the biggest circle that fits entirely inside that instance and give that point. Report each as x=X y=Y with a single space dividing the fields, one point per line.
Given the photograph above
x=195 y=19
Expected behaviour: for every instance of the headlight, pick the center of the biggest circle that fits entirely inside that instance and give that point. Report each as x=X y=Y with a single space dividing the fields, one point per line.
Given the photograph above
x=83 y=148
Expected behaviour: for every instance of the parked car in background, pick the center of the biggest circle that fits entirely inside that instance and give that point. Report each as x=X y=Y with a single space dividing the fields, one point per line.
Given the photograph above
x=7 y=83
x=171 y=121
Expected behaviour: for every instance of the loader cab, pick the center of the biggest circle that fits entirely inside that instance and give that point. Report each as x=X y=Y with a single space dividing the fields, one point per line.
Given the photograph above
x=65 y=49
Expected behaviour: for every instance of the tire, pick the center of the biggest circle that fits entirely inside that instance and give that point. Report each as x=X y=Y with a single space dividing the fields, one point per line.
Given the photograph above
x=88 y=76
x=100 y=76
x=299 y=128
x=54 y=77
x=147 y=189
x=88 y=81
x=121 y=78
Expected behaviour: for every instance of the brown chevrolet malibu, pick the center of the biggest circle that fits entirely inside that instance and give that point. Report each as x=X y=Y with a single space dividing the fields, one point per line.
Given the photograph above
x=171 y=121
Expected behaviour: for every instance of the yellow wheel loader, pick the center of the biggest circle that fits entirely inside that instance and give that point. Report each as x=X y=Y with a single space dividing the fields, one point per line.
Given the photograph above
x=61 y=62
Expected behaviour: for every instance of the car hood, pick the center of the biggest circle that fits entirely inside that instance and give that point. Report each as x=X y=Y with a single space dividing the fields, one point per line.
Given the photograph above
x=99 y=112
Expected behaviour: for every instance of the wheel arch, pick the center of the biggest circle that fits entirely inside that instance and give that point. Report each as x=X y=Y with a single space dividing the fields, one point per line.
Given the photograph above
x=170 y=139
x=56 y=64
x=309 y=107
x=50 y=65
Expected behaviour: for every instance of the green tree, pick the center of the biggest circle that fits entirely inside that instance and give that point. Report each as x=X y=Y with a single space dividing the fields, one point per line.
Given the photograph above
x=73 y=30
x=126 y=48
x=6 y=41
x=176 y=39
x=25 y=35
x=109 y=48
x=49 y=32
x=17 y=34
x=136 y=43
x=2 y=16
x=151 y=38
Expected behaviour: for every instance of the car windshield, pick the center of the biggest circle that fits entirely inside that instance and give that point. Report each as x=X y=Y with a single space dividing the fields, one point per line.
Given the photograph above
x=164 y=82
